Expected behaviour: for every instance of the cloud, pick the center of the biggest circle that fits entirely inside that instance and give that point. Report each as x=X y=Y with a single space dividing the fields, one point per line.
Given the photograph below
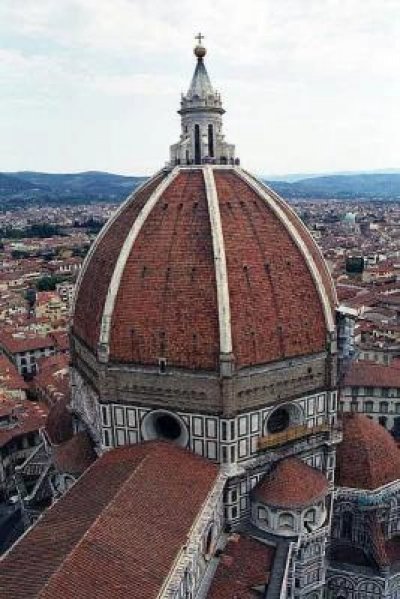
x=280 y=64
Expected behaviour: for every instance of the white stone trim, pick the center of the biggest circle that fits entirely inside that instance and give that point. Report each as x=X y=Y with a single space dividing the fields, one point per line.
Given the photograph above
x=122 y=259
x=273 y=205
x=104 y=231
x=276 y=197
x=221 y=273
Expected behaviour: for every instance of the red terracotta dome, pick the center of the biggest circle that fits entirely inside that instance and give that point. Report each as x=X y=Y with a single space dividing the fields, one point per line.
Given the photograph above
x=202 y=262
x=292 y=484
x=368 y=457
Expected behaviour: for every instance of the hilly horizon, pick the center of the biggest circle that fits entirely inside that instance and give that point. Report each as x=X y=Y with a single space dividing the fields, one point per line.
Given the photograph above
x=23 y=187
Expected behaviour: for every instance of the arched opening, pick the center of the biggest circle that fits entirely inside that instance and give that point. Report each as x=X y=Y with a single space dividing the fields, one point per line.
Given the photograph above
x=278 y=421
x=347 y=525
x=310 y=519
x=211 y=141
x=165 y=426
x=197 y=148
x=286 y=522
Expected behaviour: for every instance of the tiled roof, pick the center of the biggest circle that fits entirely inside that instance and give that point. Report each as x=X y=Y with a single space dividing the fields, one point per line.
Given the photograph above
x=59 y=421
x=245 y=565
x=291 y=484
x=166 y=304
x=10 y=379
x=25 y=342
x=368 y=457
x=370 y=374
x=117 y=531
x=75 y=455
x=27 y=417
x=92 y=292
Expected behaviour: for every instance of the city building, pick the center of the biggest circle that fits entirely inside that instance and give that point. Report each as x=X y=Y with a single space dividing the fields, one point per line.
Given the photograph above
x=204 y=375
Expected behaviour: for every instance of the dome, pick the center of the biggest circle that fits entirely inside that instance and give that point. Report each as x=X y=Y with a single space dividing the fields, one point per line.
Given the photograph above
x=368 y=457
x=292 y=484
x=203 y=262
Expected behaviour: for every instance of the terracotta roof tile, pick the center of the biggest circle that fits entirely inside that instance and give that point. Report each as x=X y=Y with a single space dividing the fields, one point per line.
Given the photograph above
x=166 y=305
x=245 y=564
x=92 y=291
x=75 y=455
x=118 y=530
x=292 y=484
x=368 y=457
x=370 y=374
x=27 y=416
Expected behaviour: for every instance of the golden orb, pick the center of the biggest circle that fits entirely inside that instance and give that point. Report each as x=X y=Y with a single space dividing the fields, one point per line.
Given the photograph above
x=200 y=51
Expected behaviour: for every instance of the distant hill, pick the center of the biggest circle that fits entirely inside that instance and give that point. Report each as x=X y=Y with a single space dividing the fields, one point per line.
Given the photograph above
x=25 y=187
x=365 y=186
x=92 y=186
x=12 y=185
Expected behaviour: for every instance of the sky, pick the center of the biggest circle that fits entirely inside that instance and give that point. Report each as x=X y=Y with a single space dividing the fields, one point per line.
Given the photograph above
x=308 y=85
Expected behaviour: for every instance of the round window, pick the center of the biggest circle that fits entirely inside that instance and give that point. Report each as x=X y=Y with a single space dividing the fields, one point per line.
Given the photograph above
x=278 y=421
x=165 y=426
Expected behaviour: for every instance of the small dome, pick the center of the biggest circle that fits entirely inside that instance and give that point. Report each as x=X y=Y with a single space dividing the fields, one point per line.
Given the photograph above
x=292 y=484
x=368 y=457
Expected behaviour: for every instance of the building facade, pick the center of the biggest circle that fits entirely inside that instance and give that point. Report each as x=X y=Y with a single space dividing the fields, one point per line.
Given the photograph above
x=205 y=316
x=204 y=362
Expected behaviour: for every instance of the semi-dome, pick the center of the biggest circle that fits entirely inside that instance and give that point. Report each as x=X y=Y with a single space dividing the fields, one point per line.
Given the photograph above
x=368 y=457
x=292 y=484
x=204 y=262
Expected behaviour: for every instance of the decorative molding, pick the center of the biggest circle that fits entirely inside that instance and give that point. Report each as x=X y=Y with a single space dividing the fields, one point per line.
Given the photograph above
x=221 y=273
x=121 y=262
x=272 y=203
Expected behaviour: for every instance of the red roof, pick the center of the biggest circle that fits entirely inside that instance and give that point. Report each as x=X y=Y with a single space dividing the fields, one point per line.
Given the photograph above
x=245 y=564
x=291 y=484
x=21 y=342
x=166 y=304
x=117 y=531
x=10 y=379
x=75 y=455
x=27 y=417
x=370 y=374
x=368 y=456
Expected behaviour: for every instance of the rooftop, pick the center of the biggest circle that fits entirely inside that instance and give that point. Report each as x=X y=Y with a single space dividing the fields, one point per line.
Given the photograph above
x=117 y=530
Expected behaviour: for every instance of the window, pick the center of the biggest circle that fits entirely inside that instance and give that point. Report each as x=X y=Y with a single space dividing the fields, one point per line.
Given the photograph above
x=286 y=521
x=382 y=421
x=369 y=390
x=397 y=408
x=368 y=406
x=262 y=514
x=278 y=421
x=354 y=406
x=197 y=148
x=310 y=519
x=210 y=141
x=223 y=431
x=106 y=438
x=385 y=392
x=104 y=413
x=384 y=407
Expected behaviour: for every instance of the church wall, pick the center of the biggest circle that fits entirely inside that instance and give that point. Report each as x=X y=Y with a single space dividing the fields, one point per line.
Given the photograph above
x=248 y=389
